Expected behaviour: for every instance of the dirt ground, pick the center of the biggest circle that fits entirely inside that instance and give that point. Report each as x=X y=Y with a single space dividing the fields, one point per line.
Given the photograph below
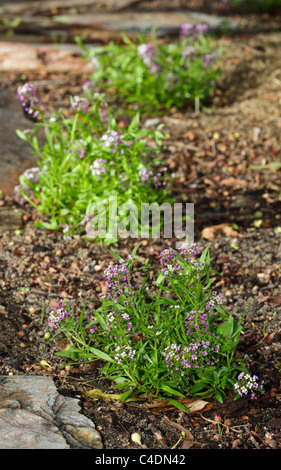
x=215 y=151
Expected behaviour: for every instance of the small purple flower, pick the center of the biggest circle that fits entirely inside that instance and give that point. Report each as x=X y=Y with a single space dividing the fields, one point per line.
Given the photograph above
x=248 y=384
x=118 y=280
x=193 y=30
x=188 y=51
x=86 y=219
x=66 y=232
x=147 y=53
x=87 y=87
x=186 y=30
x=209 y=59
x=201 y=29
x=98 y=168
x=64 y=309
x=124 y=352
x=32 y=174
x=169 y=261
x=215 y=299
x=112 y=139
x=76 y=148
x=19 y=191
x=80 y=104
x=29 y=100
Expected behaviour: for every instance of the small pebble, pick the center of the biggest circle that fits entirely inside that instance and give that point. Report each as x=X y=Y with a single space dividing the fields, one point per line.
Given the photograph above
x=236 y=443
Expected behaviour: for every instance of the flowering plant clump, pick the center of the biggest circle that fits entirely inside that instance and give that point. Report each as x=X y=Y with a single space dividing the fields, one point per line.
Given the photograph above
x=253 y=5
x=86 y=159
x=151 y=76
x=248 y=384
x=29 y=99
x=162 y=338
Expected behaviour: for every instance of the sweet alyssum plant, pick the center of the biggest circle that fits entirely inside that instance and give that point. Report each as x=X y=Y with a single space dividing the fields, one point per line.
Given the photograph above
x=151 y=76
x=84 y=160
x=168 y=339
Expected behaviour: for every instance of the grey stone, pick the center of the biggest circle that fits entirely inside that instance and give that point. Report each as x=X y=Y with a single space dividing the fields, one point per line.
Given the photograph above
x=16 y=155
x=33 y=415
x=136 y=22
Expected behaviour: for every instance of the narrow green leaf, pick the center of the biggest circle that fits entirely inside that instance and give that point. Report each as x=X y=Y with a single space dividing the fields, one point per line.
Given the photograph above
x=21 y=135
x=168 y=389
x=101 y=355
x=177 y=404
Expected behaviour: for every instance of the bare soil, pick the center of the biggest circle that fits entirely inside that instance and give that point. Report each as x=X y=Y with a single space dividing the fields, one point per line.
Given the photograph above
x=215 y=151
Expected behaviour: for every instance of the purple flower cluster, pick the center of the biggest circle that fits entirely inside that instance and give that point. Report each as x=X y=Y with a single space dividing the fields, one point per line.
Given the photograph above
x=110 y=138
x=67 y=232
x=18 y=193
x=199 y=354
x=247 y=383
x=98 y=168
x=86 y=219
x=118 y=316
x=147 y=53
x=87 y=87
x=76 y=148
x=193 y=30
x=188 y=51
x=32 y=174
x=29 y=100
x=190 y=32
x=146 y=176
x=118 y=280
x=208 y=59
x=80 y=105
x=216 y=299
x=123 y=352
x=196 y=322
x=170 y=263
x=63 y=309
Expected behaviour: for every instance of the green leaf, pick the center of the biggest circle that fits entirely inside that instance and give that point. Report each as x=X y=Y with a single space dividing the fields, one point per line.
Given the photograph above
x=47 y=225
x=168 y=389
x=218 y=396
x=125 y=396
x=177 y=404
x=21 y=135
x=275 y=166
x=115 y=255
x=226 y=328
x=101 y=320
x=135 y=250
x=205 y=256
x=70 y=353
x=159 y=279
x=101 y=355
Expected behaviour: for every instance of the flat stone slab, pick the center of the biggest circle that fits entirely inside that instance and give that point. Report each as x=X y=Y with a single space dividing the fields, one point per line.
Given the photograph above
x=33 y=415
x=16 y=154
x=19 y=57
x=34 y=7
x=137 y=22
x=102 y=26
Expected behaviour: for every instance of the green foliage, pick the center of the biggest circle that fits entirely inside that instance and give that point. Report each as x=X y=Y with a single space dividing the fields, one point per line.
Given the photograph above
x=168 y=339
x=155 y=76
x=86 y=160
